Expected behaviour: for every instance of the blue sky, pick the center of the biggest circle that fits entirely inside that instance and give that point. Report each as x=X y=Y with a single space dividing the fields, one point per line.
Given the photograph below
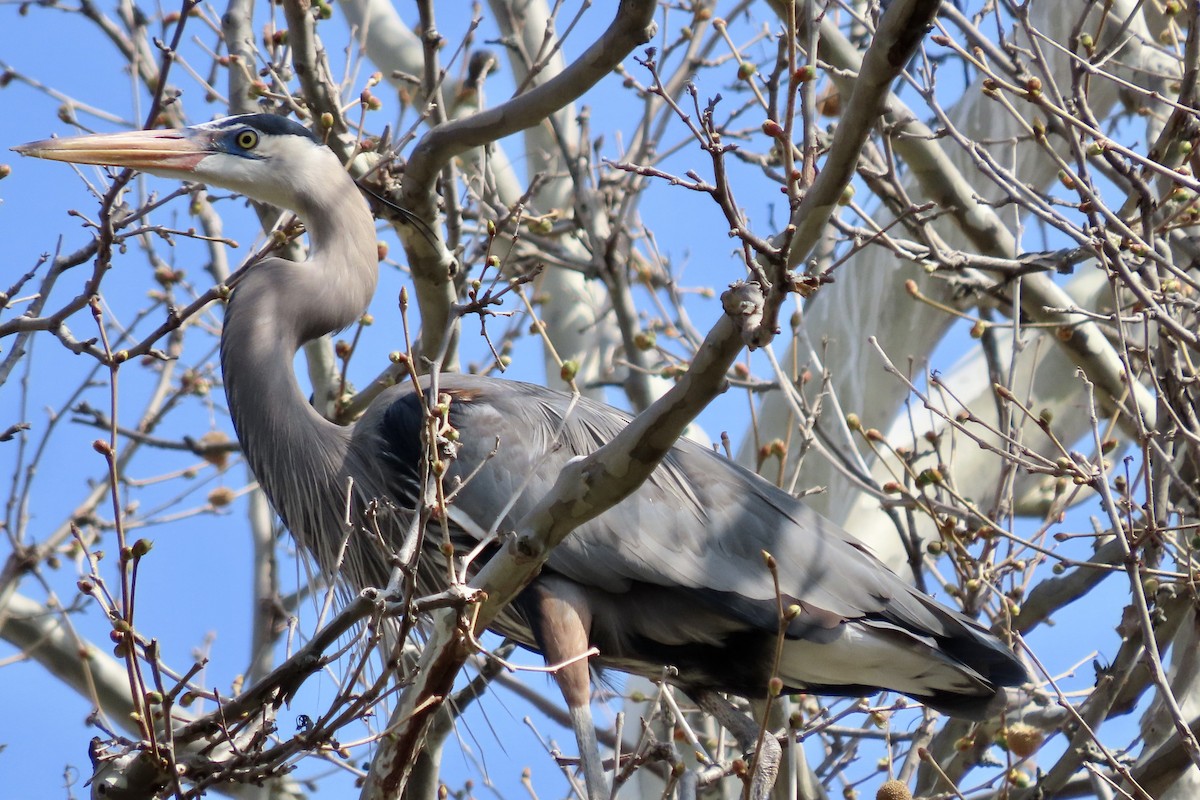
x=194 y=587
x=197 y=579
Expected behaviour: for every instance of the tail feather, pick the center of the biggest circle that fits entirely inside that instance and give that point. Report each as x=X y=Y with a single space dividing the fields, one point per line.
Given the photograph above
x=961 y=674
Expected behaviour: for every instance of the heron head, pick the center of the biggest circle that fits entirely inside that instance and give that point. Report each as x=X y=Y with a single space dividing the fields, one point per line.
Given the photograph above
x=263 y=156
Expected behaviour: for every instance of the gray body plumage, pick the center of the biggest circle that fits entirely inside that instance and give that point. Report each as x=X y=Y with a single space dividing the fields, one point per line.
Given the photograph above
x=674 y=575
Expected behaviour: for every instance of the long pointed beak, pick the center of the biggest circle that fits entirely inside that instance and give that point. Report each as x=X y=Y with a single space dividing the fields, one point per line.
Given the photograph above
x=146 y=150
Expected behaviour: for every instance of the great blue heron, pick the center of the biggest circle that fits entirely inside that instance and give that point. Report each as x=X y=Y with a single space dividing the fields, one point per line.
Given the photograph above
x=674 y=575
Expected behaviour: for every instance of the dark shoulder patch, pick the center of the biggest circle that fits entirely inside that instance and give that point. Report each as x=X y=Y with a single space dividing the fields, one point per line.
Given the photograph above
x=272 y=125
x=400 y=429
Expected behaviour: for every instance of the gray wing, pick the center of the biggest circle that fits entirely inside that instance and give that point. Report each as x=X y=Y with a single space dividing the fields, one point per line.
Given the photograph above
x=689 y=545
x=699 y=522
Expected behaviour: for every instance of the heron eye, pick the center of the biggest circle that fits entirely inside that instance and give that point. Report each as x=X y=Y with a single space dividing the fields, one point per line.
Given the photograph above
x=247 y=139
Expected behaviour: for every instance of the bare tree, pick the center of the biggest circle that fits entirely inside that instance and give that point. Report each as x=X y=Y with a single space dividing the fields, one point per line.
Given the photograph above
x=965 y=328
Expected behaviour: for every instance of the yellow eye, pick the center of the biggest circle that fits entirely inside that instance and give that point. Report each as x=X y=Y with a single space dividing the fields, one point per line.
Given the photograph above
x=247 y=139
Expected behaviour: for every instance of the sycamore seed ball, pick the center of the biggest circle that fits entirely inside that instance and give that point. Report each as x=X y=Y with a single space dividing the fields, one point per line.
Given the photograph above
x=893 y=790
x=1023 y=739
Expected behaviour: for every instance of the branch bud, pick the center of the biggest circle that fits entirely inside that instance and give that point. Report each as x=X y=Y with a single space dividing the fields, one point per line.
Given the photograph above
x=772 y=128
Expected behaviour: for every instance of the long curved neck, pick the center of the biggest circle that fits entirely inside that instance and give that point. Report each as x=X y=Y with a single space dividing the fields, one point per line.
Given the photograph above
x=297 y=455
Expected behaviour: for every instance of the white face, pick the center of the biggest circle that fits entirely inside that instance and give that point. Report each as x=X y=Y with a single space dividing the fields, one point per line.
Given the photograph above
x=280 y=169
x=265 y=158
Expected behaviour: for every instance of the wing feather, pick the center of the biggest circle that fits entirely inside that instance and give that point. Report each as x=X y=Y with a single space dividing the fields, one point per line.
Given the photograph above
x=695 y=532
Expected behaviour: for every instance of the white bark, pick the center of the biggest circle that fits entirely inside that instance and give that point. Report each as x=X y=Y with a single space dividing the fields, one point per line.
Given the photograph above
x=869 y=300
x=573 y=321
